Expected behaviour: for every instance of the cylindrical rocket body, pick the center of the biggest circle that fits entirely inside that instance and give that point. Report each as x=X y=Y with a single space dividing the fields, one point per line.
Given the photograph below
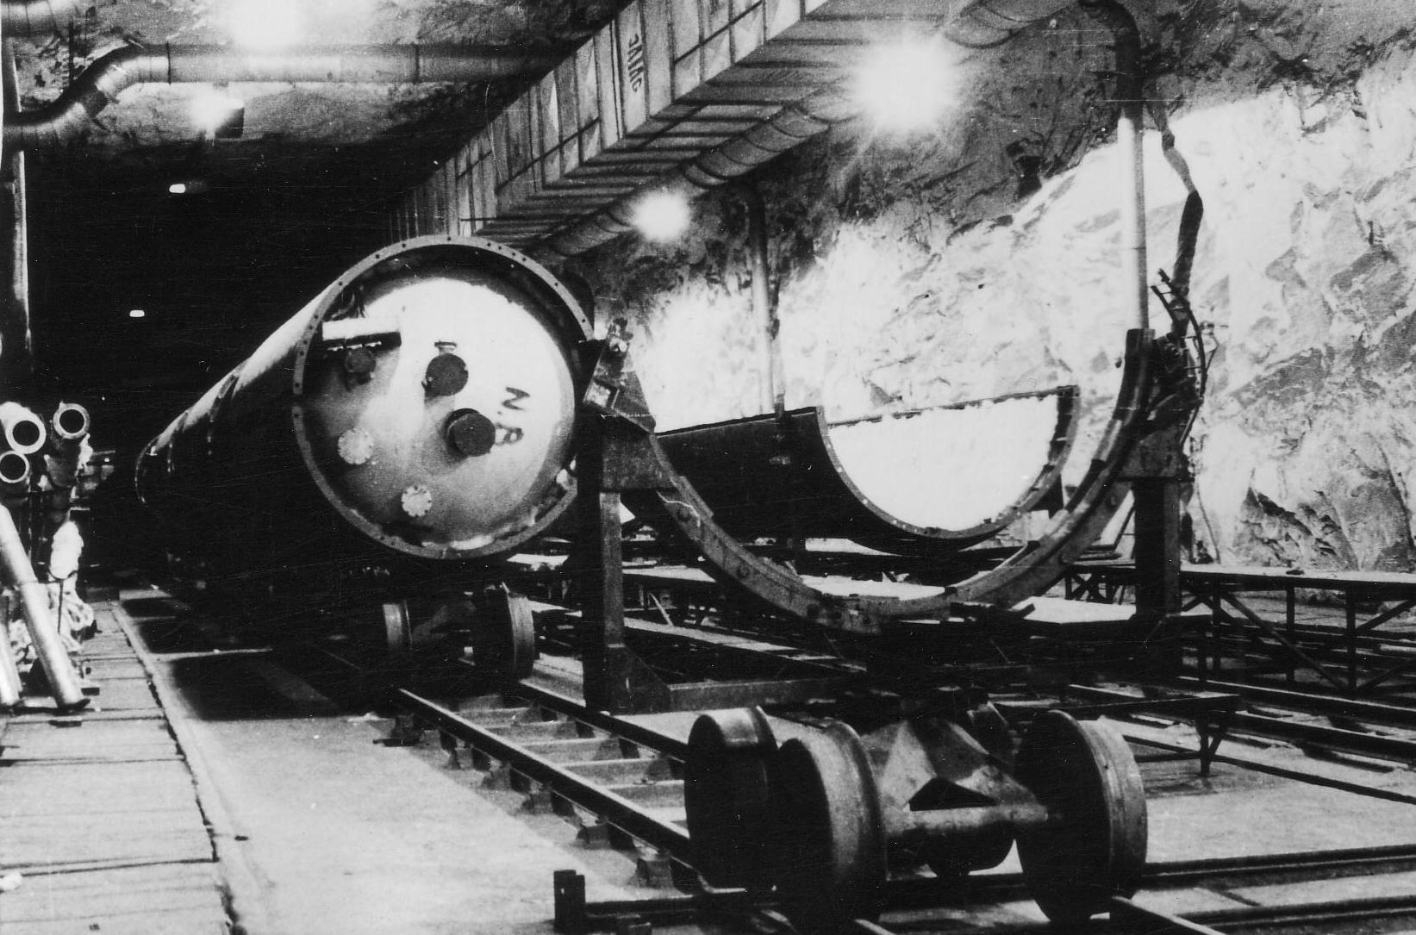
x=420 y=409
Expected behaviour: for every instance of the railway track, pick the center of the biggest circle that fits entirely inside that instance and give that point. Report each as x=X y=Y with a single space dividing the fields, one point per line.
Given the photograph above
x=1317 y=723
x=619 y=780
x=925 y=905
x=545 y=738
x=577 y=763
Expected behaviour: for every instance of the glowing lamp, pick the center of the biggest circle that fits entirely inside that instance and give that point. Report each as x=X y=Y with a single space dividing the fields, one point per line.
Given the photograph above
x=662 y=216
x=906 y=86
x=189 y=187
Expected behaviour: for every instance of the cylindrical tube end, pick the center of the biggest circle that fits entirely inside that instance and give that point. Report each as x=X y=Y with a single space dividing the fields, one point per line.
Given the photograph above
x=22 y=430
x=14 y=472
x=70 y=422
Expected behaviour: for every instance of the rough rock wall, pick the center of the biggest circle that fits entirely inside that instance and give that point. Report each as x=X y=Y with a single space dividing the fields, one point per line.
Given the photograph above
x=982 y=260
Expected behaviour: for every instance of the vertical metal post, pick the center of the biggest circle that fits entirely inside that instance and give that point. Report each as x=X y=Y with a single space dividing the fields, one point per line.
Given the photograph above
x=1217 y=602
x=1350 y=599
x=1157 y=549
x=764 y=302
x=1204 y=649
x=1290 y=626
x=63 y=680
x=9 y=674
x=17 y=355
x=601 y=553
x=570 y=918
x=1130 y=93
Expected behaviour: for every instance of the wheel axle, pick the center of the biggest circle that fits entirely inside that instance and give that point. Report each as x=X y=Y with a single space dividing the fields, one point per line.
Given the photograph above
x=824 y=815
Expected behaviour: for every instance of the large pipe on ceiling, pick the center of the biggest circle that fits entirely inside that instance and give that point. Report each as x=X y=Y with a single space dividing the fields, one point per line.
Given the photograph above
x=972 y=23
x=102 y=82
x=981 y=24
x=32 y=17
x=786 y=129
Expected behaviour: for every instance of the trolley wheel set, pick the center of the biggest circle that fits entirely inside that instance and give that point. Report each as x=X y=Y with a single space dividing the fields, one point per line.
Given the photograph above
x=823 y=814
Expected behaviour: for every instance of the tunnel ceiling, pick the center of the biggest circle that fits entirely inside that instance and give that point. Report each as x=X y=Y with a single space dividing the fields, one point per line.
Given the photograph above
x=292 y=127
x=307 y=188
x=302 y=193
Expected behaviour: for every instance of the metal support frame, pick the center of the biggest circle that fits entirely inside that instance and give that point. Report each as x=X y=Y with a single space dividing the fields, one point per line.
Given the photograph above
x=1336 y=657
x=616 y=680
x=1340 y=654
x=1212 y=713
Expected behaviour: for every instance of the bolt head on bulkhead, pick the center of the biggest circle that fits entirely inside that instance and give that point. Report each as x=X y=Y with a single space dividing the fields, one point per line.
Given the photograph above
x=356 y=447
x=446 y=375
x=360 y=364
x=416 y=500
x=470 y=433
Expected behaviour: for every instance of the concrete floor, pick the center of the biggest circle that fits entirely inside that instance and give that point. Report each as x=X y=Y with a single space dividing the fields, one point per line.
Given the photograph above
x=320 y=829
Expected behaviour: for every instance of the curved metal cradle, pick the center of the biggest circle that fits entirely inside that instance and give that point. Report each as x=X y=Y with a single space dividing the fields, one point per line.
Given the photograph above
x=802 y=476
x=673 y=504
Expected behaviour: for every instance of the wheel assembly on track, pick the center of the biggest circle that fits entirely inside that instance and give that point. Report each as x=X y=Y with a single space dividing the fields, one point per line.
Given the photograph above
x=824 y=818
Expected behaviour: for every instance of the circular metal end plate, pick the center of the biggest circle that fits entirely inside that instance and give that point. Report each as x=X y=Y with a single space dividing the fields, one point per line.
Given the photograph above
x=1095 y=847
x=454 y=325
x=827 y=855
x=725 y=795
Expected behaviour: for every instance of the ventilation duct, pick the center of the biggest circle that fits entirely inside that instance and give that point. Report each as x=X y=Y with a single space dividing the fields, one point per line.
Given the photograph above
x=675 y=94
x=981 y=24
x=32 y=17
x=972 y=23
x=105 y=79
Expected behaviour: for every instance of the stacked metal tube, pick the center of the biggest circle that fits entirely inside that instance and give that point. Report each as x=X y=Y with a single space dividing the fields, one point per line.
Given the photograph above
x=26 y=443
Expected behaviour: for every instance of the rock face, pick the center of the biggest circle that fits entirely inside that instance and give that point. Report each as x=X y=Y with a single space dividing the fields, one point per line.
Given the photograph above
x=983 y=260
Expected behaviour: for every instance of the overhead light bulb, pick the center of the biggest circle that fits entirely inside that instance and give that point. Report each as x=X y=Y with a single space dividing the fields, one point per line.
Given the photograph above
x=662 y=216
x=137 y=313
x=906 y=85
x=265 y=24
x=189 y=187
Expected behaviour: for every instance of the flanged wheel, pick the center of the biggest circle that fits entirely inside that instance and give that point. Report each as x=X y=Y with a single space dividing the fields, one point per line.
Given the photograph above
x=725 y=795
x=827 y=851
x=398 y=632
x=1094 y=845
x=508 y=647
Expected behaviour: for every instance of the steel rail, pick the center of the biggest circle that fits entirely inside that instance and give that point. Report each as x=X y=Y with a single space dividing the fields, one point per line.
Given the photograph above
x=571 y=708
x=1261 y=767
x=918 y=894
x=1340 y=739
x=1245 y=870
x=1309 y=914
x=615 y=809
x=1130 y=917
x=1372 y=712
